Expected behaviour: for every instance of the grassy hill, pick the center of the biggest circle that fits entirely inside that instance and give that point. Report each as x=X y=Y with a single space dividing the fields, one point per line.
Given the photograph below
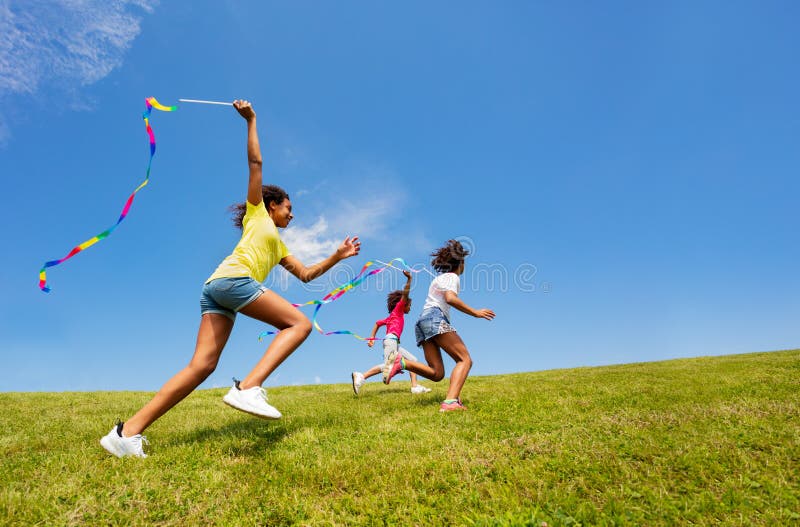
x=700 y=441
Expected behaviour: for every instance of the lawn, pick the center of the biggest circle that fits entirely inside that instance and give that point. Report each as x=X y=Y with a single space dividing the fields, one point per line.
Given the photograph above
x=712 y=440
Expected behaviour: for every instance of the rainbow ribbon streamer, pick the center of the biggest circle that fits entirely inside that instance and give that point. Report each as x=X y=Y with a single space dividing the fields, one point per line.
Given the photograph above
x=150 y=103
x=341 y=290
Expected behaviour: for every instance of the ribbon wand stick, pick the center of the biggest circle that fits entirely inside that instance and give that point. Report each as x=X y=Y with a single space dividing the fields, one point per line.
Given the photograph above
x=206 y=102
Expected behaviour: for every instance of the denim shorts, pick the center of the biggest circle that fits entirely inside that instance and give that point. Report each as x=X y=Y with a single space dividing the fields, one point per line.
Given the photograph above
x=392 y=343
x=226 y=296
x=431 y=322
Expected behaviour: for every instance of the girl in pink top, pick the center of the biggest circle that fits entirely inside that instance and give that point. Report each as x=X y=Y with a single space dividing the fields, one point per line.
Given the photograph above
x=399 y=305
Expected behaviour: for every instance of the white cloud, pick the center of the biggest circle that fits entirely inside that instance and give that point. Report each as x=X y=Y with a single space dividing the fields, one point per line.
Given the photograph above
x=308 y=191
x=318 y=241
x=368 y=217
x=63 y=42
x=372 y=212
x=310 y=244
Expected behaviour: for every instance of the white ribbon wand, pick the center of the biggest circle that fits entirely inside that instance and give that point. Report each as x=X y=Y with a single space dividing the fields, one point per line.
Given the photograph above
x=206 y=102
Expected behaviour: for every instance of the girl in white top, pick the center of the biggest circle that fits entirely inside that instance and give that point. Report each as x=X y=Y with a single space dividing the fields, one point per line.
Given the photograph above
x=434 y=332
x=438 y=289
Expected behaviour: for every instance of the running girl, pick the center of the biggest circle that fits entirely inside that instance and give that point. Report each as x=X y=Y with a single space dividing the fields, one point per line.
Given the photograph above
x=398 y=304
x=234 y=287
x=434 y=332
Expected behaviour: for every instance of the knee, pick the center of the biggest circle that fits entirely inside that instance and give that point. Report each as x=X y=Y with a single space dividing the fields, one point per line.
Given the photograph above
x=202 y=369
x=303 y=327
x=463 y=358
x=467 y=362
x=438 y=374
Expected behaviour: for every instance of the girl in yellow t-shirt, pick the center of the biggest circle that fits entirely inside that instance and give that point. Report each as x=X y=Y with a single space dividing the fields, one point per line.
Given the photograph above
x=235 y=286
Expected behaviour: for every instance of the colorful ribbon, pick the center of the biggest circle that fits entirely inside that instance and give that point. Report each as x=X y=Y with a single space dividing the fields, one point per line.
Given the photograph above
x=150 y=103
x=341 y=290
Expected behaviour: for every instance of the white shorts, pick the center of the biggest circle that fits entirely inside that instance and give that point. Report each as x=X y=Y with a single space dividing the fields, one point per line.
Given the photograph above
x=392 y=343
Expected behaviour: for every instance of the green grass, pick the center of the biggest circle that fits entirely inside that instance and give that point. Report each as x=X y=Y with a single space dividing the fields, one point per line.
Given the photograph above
x=696 y=441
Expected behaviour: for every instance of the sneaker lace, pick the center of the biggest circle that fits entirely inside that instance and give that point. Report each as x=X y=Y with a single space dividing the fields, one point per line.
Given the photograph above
x=261 y=393
x=136 y=442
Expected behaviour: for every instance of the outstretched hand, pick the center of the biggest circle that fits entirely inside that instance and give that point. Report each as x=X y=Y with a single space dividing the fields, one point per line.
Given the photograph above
x=407 y=274
x=348 y=248
x=488 y=314
x=245 y=109
x=370 y=343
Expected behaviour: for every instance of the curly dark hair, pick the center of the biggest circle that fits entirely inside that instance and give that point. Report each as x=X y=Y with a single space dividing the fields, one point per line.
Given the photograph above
x=268 y=192
x=447 y=259
x=392 y=299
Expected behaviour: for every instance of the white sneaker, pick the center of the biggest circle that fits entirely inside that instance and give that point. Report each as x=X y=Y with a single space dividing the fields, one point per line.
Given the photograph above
x=419 y=389
x=358 y=381
x=252 y=401
x=122 y=446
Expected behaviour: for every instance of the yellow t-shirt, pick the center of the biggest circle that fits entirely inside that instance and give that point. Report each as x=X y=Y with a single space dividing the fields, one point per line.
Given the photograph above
x=259 y=250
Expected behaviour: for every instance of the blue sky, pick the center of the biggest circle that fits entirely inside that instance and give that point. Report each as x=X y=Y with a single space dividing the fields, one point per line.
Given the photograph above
x=626 y=174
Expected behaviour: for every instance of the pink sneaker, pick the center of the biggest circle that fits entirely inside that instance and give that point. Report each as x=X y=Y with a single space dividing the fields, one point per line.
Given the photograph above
x=395 y=365
x=449 y=406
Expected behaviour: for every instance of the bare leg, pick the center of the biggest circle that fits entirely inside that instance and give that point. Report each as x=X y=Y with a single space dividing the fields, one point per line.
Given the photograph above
x=452 y=344
x=411 y=374
x=434 y=370
x=375 y=370
x=211 y=338
x=294 y=325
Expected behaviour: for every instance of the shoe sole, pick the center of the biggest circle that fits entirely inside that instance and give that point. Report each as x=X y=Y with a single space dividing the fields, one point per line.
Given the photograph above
x=387 y=366
x=459 y=409
x=395 y=368
x=248 y=411
x=355 y=388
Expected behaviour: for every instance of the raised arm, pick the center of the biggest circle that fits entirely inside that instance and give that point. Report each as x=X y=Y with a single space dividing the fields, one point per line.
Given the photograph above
x=349 y=247
x=452 y=298
x=254 y=162
x=407 y=288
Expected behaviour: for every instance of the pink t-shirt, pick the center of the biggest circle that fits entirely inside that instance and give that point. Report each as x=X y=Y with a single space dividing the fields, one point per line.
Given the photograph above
x=394 y=322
